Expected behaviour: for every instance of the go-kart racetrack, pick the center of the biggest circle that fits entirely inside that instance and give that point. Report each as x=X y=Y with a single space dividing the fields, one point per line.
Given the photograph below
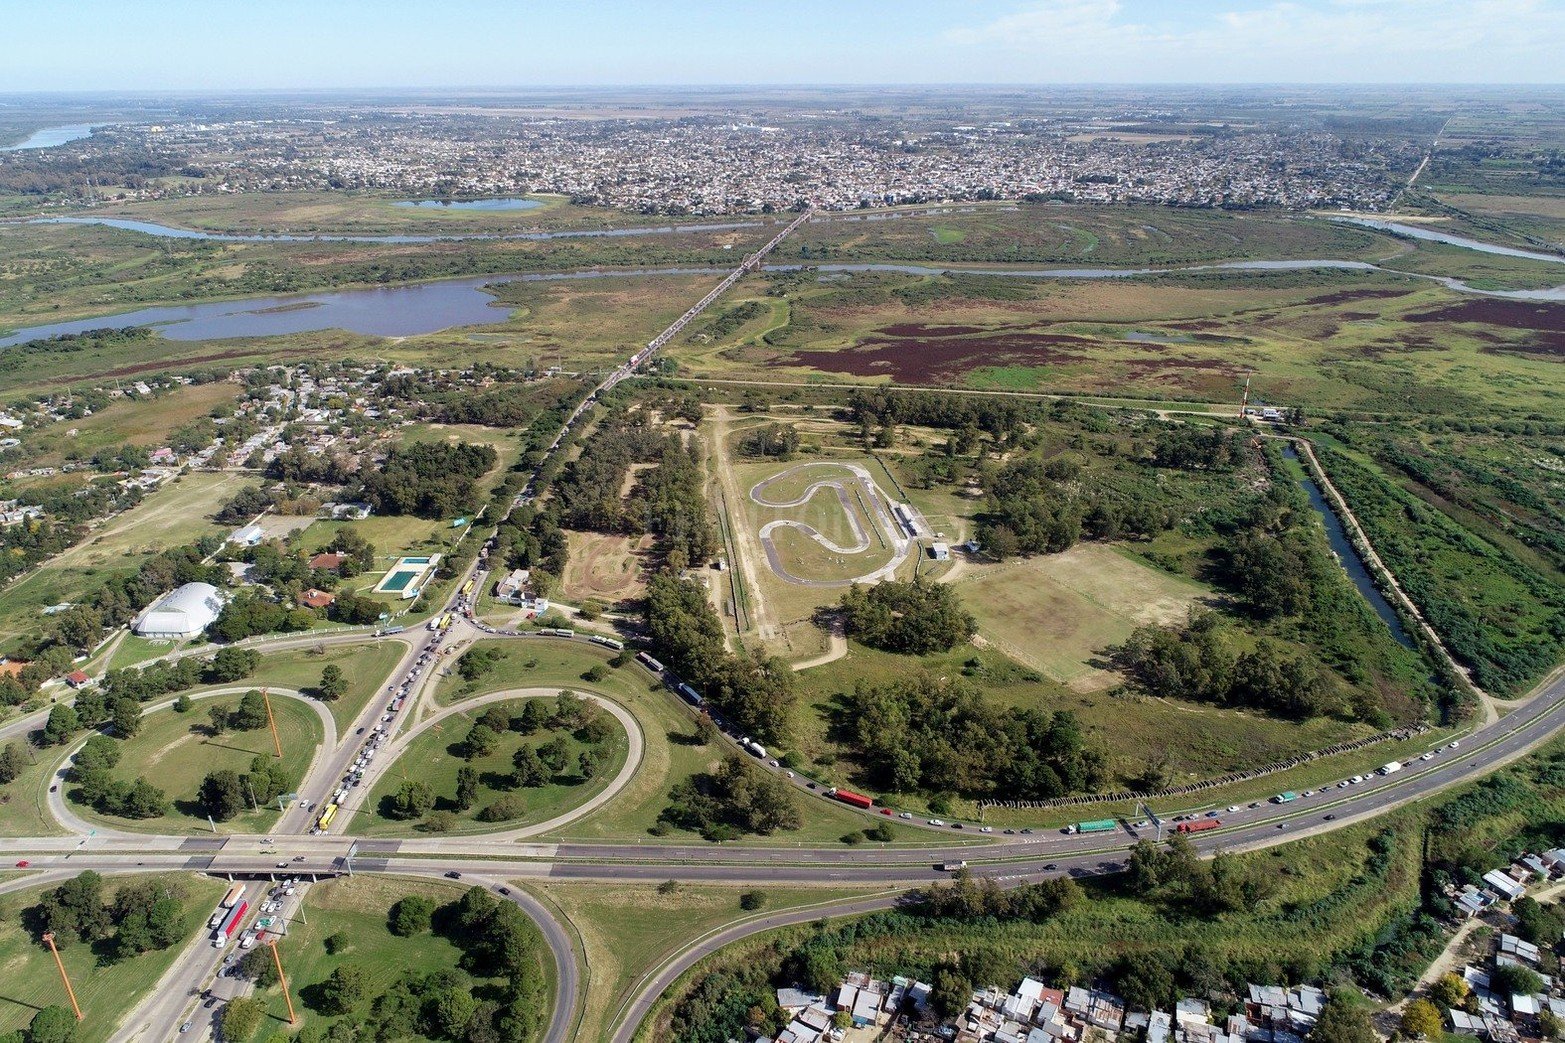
x=868 y=493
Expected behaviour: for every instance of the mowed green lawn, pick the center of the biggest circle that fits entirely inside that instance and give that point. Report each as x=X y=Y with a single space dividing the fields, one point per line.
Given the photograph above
x=366 y=667
x=175 y=515
x=435 y=758
x=629 y=929
x=357 y=908
x=24 y=808
x=29 y=980
x=175 y=751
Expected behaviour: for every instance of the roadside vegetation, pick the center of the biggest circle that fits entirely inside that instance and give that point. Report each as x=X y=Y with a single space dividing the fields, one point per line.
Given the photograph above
x=1364 y=904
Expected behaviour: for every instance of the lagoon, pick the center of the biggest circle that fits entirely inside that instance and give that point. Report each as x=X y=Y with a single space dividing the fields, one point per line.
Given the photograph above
x=52 y=136
x=471 y=204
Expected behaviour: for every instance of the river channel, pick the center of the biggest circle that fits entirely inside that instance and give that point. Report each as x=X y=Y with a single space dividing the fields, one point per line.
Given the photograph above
x=1348 y=555
x=52 y=136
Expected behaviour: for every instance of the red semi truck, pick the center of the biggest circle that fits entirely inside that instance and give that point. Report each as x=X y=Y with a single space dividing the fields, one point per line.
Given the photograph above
x=1198 y=826
x=858 y=800
x=230 y=924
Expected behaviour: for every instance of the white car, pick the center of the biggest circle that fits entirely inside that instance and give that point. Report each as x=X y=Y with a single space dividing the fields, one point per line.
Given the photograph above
x=936 y=822
x=986 y=829
x=1454 y=745
x=1427 y=756
x=1232 y=808
x=906 y=814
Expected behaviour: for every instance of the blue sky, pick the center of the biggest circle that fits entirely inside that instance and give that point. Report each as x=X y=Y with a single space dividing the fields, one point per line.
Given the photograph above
x=181 y=44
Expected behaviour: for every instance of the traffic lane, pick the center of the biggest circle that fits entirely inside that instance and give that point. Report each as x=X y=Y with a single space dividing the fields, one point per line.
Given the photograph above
x=567 y=977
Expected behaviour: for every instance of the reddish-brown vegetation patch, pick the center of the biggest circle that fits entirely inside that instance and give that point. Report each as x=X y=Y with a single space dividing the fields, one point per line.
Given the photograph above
x=1344 y=296
x=1544 y=323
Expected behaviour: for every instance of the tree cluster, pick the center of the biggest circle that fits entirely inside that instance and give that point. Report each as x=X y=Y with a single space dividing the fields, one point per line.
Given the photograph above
x=915 y=618
x=738 y=798
x=754 y=692
x=138 y=917
x=941 y=736
x=226 y=793
x=1175 y=876
x=772 y=442
x=1199 y=663
x=96 y=786
x=429 y=479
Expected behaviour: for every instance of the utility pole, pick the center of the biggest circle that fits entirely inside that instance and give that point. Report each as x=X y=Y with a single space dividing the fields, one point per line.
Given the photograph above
x=278 y=743
x=293 y=1018
x=49 y=938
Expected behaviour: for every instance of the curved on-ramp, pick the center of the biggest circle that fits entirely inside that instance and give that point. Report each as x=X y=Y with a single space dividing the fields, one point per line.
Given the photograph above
x=61 y=811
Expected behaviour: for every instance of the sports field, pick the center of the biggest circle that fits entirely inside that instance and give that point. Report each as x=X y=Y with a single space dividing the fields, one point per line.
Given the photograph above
x=607 y=568
x=1057 y=613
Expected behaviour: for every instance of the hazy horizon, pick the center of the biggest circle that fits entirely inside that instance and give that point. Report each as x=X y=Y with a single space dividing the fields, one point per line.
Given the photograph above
x=294 y=46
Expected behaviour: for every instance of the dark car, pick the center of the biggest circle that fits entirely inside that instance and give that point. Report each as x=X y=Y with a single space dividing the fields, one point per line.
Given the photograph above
x=55 y=788
x=1051 y=867
x=210 y=1003
x=453 y=875
x=1026 y=832
x=504 y=890
x=1331 y=818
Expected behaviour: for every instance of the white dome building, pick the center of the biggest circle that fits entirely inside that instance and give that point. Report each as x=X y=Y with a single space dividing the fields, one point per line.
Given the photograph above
x=183 y=613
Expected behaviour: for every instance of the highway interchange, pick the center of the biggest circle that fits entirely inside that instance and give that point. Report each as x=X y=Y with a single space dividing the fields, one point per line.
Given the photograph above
x=294 y=848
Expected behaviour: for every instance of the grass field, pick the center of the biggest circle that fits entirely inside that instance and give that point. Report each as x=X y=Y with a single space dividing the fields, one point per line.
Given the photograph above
x=175 y=752
x=364 y=665
x=357 y=908
x=1060 y=612
x=435 y=758
x=176 y=514
x=144 y=422
x=30 y=981
x=628 y=930
x=24 y=809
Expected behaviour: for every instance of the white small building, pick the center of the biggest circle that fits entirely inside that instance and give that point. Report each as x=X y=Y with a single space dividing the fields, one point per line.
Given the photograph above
x=183 y=613
x=249 y=536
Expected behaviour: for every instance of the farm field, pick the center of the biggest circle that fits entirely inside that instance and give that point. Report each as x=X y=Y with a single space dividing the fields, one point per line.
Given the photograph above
x=175 y=751
x=436 y=756
x=356 y=908
x=105 y=990
x=1059 y=613
x=176 y=514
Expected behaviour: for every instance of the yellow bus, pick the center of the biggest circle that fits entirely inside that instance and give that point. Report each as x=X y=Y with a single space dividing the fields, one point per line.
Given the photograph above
x=328 y=813
x=445 y=622
x=467 y=588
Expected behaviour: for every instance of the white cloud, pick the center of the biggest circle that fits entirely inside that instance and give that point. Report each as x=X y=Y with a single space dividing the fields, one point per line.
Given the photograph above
x=1325 y=40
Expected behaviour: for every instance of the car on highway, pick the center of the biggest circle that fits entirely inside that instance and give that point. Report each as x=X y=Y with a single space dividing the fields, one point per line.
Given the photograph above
x=1026 y=832
x=1232 y=808
x=1455 y=744
x=906 y=814
x=1428 y=756
x=1050 y=867
x=282 y=865
x=23 y=864
x=55 y=788
x=503 y=890
x=452 y=874
x=298 y=858
x=986 y=829
x=185 y=1027
x=936 y=822
x=1331 y=818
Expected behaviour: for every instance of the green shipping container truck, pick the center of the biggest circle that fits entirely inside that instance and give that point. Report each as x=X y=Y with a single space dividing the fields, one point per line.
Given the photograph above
x=1102 y=825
